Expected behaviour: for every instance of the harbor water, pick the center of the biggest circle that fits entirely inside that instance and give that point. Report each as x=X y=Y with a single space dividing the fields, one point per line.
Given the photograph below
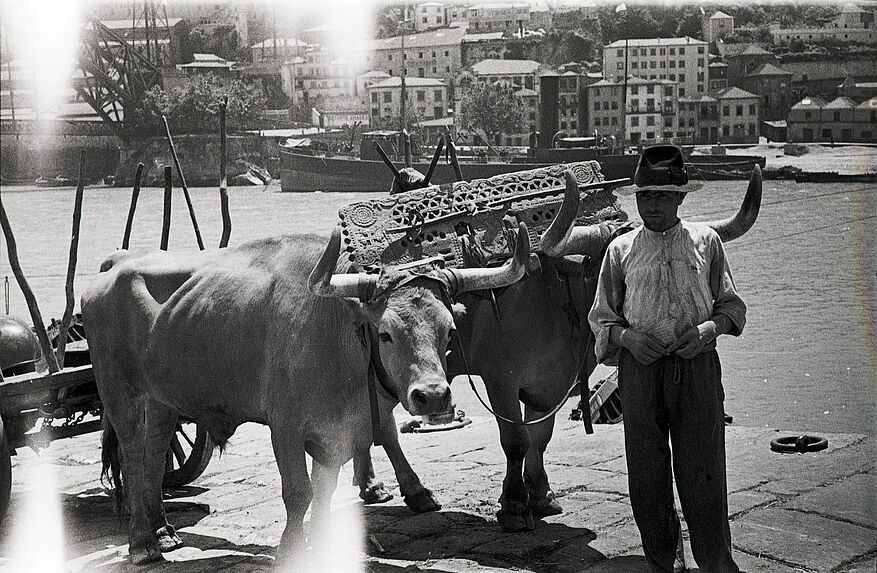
x=807 y=359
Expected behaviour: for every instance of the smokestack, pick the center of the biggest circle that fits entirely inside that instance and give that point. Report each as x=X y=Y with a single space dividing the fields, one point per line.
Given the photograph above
x=549 y=88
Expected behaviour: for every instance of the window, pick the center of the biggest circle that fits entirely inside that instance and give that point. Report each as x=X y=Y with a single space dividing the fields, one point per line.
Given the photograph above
x=751 y=129
x=668 y=91
x=388 y=97
x=836 y=116
x=619 y=53
x=437 y=95
x=650 y=89
x=606 y=105
x=826 y=134
x=726 y=130
x=421 y=95
x=808 y=115
x=596 y=106
x=620 y=65
x=672 y=51
x=700 y=62
x=614 y=105
x=681 y=77
x=634 y=121
x=726 y=110
x=681 y=51
x=681 y=92
x=682 y=64
x=634 y=65
x=662 y=51
x=614 y=120
x=752 y=109
x=437 y=111
x=597 y=122
x=700 y=49
x=374 y=97
x=672 y=63
x=653 y=64
x=739 y=110
x=419 y=55
x=634 y=90
x=650 y=120
x=668 y=122
x=652 y=52
x=650 y=135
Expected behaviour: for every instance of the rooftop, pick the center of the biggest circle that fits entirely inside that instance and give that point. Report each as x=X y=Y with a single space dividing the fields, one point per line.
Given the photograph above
x=643 y=42
x=491 y=67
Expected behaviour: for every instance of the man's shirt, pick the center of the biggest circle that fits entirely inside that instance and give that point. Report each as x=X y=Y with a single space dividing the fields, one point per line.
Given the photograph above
x=661 y=283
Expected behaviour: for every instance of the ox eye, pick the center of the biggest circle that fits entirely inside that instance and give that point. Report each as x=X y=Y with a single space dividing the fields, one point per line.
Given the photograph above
x=385 y=337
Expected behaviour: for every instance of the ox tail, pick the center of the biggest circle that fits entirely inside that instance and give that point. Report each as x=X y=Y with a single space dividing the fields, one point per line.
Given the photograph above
x=111 y=472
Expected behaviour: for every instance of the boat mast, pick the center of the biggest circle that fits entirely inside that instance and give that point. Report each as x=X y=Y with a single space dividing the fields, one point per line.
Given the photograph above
x=403 y=111
x=622 y=9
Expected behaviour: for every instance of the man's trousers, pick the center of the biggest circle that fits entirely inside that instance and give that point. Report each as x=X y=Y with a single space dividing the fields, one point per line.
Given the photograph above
x=677 y=402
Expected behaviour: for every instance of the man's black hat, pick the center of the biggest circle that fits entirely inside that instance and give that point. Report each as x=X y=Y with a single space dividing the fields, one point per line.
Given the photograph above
x=661 y=168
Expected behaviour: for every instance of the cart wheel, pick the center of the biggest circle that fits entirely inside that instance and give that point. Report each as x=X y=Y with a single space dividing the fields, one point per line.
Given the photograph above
x=5 y=472
x=187 y=457
x=610 y=411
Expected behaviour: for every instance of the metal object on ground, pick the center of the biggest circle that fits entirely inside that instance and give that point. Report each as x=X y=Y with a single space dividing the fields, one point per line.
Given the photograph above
x=798 y=444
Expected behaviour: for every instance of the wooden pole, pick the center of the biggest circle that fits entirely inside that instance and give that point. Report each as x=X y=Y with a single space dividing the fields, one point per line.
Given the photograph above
x=32 y=306
x=455 y=163
x=167 y=131
x=223 y=179
x=67 y=319
x=135 y=194
x=166 y=219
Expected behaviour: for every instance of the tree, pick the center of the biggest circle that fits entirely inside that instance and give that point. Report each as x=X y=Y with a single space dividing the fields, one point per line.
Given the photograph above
x=492 y=108
x=194 y=106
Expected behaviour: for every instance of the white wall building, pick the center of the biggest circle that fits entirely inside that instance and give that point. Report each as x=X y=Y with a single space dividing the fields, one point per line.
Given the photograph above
x=682 y=60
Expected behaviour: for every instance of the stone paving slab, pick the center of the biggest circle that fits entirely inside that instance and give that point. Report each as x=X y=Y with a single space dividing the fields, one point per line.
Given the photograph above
x=801 y=513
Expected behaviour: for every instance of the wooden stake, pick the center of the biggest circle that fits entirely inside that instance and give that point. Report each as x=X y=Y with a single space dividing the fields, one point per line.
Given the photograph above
x=135 y=194
x=67 y=319
x=223 y=179
x=32 y=306
x=167 y=131
x=166 y=219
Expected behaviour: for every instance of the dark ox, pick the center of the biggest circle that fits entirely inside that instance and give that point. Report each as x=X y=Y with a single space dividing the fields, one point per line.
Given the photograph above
x=245 y=334
x=537 y=348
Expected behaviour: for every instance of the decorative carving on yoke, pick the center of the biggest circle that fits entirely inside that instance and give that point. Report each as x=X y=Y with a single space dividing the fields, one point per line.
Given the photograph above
x=468 y=223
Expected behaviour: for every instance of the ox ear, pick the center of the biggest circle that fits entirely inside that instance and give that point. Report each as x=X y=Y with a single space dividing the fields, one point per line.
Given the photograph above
x=464 y=280
x=555 y=237
x=324 y=282
x=734 y=227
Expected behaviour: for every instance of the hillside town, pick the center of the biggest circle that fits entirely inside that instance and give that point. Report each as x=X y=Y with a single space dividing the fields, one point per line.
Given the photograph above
x=574 y=69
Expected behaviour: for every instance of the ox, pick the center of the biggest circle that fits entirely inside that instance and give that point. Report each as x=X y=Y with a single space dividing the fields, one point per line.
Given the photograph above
x=246 y=334
x=538 y=347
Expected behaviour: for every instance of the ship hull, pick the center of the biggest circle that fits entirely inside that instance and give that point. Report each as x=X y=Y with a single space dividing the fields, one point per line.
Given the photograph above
x=301 y=172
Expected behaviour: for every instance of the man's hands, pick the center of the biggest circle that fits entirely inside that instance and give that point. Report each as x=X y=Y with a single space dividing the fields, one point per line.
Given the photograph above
x=693 y=340
x=644 y=348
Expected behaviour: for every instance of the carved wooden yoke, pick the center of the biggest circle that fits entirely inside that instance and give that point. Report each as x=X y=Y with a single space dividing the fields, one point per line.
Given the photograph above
x=468 y=223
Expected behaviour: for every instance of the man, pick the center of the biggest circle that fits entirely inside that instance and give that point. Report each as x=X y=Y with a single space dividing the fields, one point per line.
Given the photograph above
x=664 y=294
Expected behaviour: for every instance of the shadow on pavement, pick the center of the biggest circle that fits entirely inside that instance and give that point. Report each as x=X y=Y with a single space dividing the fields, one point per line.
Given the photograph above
x=395 y=532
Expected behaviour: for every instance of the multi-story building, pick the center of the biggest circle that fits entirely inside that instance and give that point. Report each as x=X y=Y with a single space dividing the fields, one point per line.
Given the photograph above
x=650 y=115
x=805 y=120
x=681 y=60
x=774 y=86
x=855 y=89
x=498 y=17
x=314 y=78
x=743 y=59
x=433 y=54
x=604 y=100
x=426 y=98
x=738 y=116
x=718 y=76
x=838 y=119
x=429 y=15
x=569 y=102
x=717 y=26
x=698 y=120
x=579 y=17
x=852 y=24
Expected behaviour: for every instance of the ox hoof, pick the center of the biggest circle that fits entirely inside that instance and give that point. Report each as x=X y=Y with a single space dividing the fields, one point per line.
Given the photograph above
x=145 y=555
x=422 y=501
x=546 y=506
x=168 y=540
x=376 y=493
x=515 y=516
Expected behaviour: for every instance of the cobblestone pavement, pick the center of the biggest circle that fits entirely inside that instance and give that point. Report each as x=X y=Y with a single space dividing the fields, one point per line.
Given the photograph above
x=811 y=512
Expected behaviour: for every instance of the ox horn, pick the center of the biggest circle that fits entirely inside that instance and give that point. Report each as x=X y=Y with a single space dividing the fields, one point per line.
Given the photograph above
x=483 y=279
x=734 y=227
x=562 y=237
x=325 y=282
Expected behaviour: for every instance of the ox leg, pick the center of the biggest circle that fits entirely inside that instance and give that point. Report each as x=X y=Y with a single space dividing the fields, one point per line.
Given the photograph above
x=324 y=481
x=541 y=498
x=370 y=489
x=297 y=494
x=144 y=429
x=514 y=513
x=417 y=497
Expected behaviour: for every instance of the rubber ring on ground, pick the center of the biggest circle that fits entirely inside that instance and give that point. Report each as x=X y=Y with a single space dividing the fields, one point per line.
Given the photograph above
x=798 y=444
